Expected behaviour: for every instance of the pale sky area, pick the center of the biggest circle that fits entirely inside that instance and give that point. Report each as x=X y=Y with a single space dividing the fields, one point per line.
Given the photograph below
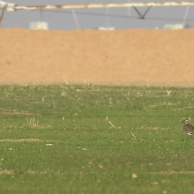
x=118 y=18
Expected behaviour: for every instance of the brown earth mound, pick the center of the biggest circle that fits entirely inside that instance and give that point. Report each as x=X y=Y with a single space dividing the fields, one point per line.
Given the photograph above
x=125 y=57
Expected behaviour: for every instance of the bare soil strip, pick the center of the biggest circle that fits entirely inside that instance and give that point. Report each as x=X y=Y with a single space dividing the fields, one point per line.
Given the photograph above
x=172 y=172
x=26 y=140
x=122 y=57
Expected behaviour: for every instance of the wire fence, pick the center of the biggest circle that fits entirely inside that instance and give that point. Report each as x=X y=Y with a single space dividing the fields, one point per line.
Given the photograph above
x=109 y=16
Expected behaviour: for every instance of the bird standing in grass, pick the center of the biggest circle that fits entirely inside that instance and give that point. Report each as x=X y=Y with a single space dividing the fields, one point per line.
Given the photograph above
x=187 y=128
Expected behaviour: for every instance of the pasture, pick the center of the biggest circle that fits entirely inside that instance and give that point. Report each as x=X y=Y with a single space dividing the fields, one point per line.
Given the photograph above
x=95 y=139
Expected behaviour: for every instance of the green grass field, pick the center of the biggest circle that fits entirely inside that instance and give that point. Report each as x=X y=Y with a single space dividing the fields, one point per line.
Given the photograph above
x=95 y=139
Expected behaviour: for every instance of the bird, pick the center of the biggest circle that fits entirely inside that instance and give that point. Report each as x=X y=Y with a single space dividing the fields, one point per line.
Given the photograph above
x=187 y=128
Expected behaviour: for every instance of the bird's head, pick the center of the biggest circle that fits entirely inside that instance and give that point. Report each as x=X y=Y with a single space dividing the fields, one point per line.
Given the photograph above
x=185 y=121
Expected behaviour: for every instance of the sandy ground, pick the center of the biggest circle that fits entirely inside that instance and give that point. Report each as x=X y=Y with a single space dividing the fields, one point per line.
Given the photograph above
x=123 y=57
